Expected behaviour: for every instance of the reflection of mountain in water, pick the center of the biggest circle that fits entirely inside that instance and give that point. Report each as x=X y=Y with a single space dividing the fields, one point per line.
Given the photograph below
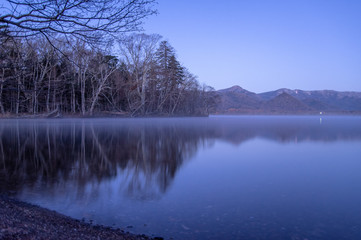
x=147 y=152
x=289 y=129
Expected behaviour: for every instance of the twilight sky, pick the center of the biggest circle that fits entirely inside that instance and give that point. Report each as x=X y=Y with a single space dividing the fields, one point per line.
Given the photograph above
x=265 y=45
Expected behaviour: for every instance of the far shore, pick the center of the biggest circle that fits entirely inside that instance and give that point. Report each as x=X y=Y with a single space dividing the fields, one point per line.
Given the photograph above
x=20 y=220
x=126 y=115
x=345 y=113
x=95 y=115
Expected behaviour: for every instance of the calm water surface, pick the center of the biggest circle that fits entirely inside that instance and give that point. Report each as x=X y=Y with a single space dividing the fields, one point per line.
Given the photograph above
x=248 y=177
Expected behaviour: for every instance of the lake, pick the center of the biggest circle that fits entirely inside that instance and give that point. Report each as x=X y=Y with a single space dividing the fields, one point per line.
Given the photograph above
x=222 y=177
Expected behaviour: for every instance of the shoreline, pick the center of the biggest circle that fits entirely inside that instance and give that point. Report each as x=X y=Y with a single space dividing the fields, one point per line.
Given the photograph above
x=100 y=115
x=21 y=220
x=128 y=116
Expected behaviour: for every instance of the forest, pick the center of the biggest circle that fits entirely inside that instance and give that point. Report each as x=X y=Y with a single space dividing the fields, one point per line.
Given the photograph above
x=55 y=61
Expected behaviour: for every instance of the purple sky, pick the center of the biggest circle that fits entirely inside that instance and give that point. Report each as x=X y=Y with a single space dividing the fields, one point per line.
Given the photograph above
x=265 y=45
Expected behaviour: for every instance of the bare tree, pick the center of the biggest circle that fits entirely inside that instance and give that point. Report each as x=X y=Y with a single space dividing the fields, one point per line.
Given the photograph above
x=82 y=59
x=139 y=53
x=105 y=67
x=88 y=20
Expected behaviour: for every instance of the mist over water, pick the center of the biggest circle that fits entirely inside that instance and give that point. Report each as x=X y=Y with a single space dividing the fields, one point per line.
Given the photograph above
x=223 y=177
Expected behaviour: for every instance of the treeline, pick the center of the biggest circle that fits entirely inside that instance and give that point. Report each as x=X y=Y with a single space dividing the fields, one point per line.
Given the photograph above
x=141 y=77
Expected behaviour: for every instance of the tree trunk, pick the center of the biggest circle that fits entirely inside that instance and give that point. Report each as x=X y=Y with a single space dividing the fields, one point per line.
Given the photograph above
x=17 y=101
x=94 y=101
x=142 y=97
x=82 y=90
x=48 y=96
x=72 y=98
x=1 y=98
x=35 y=99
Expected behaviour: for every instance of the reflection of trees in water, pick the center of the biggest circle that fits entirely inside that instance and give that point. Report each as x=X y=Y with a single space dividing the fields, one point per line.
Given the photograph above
x=148 y=155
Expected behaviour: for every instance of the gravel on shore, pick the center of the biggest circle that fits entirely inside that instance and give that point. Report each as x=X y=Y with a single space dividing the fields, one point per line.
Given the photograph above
x=19 y=220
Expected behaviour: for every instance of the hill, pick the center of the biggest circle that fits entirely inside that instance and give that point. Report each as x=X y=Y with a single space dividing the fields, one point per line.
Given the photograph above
x=238 y=100
x=285 y=103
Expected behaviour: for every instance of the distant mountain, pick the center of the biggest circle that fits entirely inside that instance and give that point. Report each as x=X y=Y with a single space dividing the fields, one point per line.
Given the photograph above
x=238 y=100
x=285 y=103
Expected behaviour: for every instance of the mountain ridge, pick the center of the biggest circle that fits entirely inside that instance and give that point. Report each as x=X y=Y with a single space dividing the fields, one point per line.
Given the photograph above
x=237 y=100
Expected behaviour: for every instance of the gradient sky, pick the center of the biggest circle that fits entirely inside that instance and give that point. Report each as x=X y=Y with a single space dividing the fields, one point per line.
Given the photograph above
x=265 y=45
